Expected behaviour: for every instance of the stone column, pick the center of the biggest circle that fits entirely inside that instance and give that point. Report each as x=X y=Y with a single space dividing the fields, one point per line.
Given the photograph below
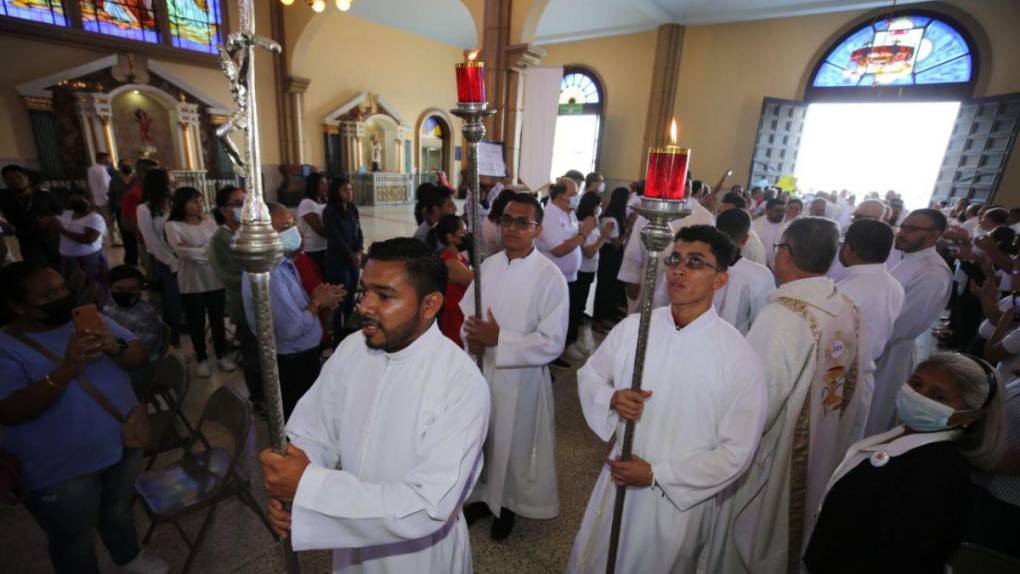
x=44 y=130
x=662 y=96
x=351 y=133
x=495 y=41
x=95 y=113
x=296 y=88
x=191 y=140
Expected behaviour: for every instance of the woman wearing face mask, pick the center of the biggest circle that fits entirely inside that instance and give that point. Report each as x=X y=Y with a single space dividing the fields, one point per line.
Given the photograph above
x=188 y=232
x=899 y=500
x=81 y=243
x=70 y=448
x=590 y=206
x=309 y=218
x=151 y=216
x=448 y=236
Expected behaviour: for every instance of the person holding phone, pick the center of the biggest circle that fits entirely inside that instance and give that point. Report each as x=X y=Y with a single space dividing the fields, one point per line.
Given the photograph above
x=79 y=475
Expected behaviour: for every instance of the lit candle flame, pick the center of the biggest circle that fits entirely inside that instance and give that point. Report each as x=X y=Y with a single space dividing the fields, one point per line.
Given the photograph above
x=672 y=132
x=472 y=55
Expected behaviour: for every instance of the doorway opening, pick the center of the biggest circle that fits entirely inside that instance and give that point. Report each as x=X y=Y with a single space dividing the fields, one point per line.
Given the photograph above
x=864 y=147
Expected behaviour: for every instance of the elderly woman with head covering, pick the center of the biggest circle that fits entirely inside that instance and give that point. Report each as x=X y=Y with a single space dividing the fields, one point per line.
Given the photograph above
x=899 y=500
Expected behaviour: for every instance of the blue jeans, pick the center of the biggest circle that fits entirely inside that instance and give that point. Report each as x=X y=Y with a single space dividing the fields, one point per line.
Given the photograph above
x=70 y=513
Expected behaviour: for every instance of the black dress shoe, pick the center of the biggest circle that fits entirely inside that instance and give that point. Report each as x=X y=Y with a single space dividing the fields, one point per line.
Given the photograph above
x=502 y=526
x=475 y=511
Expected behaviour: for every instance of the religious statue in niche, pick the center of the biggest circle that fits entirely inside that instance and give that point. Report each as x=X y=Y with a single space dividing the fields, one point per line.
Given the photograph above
x=376 y=154
x=144 y=121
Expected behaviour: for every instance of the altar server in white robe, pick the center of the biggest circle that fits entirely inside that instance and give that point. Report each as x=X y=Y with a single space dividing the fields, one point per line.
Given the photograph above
x=810 y=340
x=926 y=280
x=387 y=443
x=747 y=291
x=877 y=294
x=753 y=248
x=769 y=228
x=867 y=210
x=632 y=268
x=699 y=417
x=523 y=329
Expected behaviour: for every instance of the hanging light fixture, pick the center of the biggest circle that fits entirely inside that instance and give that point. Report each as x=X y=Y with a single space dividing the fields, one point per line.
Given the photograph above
x=286 y=2
x=343 y=5
x=317 y=5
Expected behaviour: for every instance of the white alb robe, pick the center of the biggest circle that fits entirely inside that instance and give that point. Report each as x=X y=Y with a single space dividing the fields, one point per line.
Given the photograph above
x=395 y=444
x=770 y=234
x=754 y=249
x=926 y=280
x=528 y=298
x=879 y=298
x=745 y=294
x=809 y=339
x=632 y=268
x=699 y=431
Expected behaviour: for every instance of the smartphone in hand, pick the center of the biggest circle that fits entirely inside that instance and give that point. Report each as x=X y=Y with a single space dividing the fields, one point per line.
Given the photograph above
x=86 y=317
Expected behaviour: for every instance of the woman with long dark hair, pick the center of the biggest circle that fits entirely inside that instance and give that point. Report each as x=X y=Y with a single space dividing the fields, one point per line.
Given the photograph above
x=188 y=232
x=309 y=218
x=608 y=287
x=151 y=216
x=345 y=244
x=447 y=237
x=591 y=206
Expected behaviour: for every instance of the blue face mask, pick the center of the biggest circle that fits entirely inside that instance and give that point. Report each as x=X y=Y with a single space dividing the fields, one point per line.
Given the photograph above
x=921 y=413
x=575 y=201
x=291 y=240
x=237 y=214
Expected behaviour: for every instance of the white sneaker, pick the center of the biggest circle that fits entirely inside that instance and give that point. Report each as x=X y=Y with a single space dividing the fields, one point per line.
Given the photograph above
x=145 y=564
x=203 y=369
x=226 y=365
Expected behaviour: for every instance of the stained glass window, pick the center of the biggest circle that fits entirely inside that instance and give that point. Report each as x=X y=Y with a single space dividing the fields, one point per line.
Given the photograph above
x=578 y=88
x=432 y=128
x=900 y=51
x=131 y=19
x=45 y=11
x=195 y=24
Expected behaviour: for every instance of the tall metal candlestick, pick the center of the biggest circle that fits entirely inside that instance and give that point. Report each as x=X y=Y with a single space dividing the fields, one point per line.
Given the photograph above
x=474 y=131
x=657 y=236
x=256 y=244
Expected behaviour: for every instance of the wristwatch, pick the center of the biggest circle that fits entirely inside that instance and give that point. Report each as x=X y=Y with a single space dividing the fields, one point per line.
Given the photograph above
x=121 y=347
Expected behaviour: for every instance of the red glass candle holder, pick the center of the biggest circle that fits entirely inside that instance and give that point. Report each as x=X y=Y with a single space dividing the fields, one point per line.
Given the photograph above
x=667 y=173
x=471 y=82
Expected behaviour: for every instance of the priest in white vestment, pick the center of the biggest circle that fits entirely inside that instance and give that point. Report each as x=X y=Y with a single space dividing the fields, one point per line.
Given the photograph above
x=387 y=443
x=769 y=228
x=747 y=291
x=878 y=295
x=632 y=268
x=523 y=329
x=699 y=418
x=809 y=338
x=926 y=280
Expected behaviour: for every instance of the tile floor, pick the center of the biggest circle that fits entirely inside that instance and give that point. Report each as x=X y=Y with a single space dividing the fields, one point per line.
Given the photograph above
x=237 y=541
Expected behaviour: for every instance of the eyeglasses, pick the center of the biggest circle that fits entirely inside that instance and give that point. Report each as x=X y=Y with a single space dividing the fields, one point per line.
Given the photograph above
x=910 y=228
x=694 y=262
x=519 y=223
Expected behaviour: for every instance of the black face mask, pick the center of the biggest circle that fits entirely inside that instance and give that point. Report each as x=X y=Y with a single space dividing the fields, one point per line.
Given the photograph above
x=78 y=205
x=126 y=300
x=468 y=243
x=58 y=312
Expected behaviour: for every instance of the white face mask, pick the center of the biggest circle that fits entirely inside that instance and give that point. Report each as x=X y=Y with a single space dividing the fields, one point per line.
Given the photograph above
x=602 y=187
x=291 y=240
x=921 y=413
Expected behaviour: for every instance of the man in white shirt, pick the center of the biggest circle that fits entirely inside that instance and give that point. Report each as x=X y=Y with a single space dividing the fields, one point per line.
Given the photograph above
x=794 y=208
x=750 y=283
x=869 y=209
x=809 y=337
x=877 y=294
x=753 y=248
x=926 y=281
x=523 y=328
x=769 y=228
x=388 y=442
x=99 y=185
x=818 y=207
x=699 y=417
x=561 y=240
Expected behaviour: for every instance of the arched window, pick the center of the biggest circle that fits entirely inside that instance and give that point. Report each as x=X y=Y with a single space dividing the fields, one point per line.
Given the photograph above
x=917 y=52
x=579 y=123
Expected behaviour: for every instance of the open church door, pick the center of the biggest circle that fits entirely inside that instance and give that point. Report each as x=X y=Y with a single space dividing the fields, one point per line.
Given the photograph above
x=978 y=149
x=778 y=140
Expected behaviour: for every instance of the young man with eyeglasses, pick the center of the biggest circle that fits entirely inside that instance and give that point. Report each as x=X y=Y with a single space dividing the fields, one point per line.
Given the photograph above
x=811 y=339
x=522 y=329
x=926 y=280
x=699 y=418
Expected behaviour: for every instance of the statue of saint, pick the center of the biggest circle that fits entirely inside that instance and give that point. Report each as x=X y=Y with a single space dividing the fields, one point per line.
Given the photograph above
x=376 y=154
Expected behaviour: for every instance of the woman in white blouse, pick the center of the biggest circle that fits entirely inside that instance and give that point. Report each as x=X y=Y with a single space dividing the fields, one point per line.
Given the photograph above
x=81 y=242
x=188 y=232
x=151 y=216
x=309 y=219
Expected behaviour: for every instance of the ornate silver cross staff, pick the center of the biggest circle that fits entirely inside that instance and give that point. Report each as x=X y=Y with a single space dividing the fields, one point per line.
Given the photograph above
x=256 y=244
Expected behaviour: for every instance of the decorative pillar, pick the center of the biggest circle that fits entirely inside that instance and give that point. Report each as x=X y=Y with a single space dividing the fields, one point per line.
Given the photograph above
x=519 y=57
x=334 y=162
x=296 y=88
x=404 y=133
x=662 y=96
x=351 y=134
x=47 y=141
x=191 y=141
x=95 y=113
x=496 y=39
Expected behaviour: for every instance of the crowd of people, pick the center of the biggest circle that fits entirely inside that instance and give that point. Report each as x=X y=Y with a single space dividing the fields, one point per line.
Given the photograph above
x=792 y=415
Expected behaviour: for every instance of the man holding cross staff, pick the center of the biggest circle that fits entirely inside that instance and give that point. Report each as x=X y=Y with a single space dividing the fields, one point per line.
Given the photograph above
x=701 y=410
